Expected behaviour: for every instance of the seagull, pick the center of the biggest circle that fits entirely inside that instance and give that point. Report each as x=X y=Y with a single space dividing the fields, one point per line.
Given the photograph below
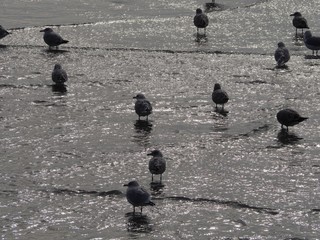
x=52 y=38
x=137 y=196
x=281 y=54
x=59 y=76
x=200 y=20
x=313 y=43
x=299 y=22
x=157 y=164
x=289 y=117
x=3 y=32
x=142 y=106
x=219 y=96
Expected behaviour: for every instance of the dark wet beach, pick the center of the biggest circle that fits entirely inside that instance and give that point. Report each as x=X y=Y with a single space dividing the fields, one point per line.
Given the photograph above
x=66 y=152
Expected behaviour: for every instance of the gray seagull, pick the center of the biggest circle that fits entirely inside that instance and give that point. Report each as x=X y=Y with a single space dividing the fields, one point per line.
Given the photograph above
x=311 y=42
x=137 y=196
x=288 y=117
x=299 y=22
x=3 y=32
x=59 y=76
x=200 y=20
x=52 y=38
x=142 y=106
x=219 y=96
x=157 y=164
x=281 y=55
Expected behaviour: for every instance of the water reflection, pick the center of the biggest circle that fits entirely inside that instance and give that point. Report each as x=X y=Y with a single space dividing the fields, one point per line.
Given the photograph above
x=283 y=67
x=286 y=137
x=143 y=129
x=201 y=38
x=62 y=89
x=156 y=188
x=138 y=223
x=221 y=111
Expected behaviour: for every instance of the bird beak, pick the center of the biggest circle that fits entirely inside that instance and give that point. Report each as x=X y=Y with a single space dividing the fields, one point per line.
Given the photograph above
x=125 y=185
x=134 y=97
x=292 y=14
x=42 y=30
x=149 y=154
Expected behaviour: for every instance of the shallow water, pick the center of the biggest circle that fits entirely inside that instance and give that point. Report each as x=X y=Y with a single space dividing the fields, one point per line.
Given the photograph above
x=67 y=152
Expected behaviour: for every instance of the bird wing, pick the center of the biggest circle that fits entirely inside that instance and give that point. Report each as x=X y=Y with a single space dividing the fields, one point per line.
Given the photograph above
x=300 y=22
x=157 y=165
x=281 y=56
x=59 y=76
x=313 y=41
x=220 y=97
x=143 y=107
x=201 y=20
x=53 y=38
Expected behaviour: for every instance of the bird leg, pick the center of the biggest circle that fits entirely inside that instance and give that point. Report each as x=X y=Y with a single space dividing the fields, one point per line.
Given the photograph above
x=141 y=209
x=151 y=177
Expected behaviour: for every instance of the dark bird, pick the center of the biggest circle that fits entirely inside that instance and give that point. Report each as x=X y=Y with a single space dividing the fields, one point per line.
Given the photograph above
x=311 y=42
x=219 y=96
x=52 y=38
x=281 y=55
x=299 y=22
x=137 y=196
x=59 y=76
x=157 y=164
x=288 y=117
x=142 y=106
x=3 y=32
x=200 y=20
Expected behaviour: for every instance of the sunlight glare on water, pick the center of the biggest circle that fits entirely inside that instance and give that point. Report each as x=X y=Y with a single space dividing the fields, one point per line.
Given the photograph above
x=233 y=174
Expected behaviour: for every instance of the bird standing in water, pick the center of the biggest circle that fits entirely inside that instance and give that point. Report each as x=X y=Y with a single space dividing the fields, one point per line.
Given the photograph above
x=288 y=117
x=59 y=76
x=281 y=55
x=157 y=164
x=3 y=32
x=299 y=22
x=137 y=196
x=200 y=20
x=52 y=38
x=142 y=106
x=219 y=96
x=311 y=42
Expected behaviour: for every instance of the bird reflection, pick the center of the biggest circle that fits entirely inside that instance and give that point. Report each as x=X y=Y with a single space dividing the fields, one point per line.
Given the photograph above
x=143 y=129
x=221 y=111
x=59 y=89
x=138 y=223
x=201 y=38
x=287 y=138
x=156 y=188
